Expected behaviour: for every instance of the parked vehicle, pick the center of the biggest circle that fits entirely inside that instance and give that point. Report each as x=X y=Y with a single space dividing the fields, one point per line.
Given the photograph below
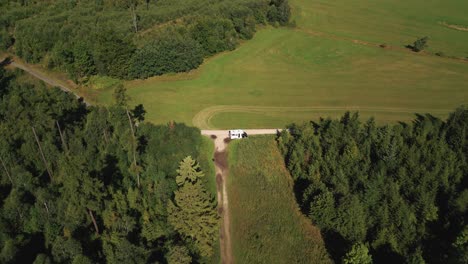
x=237 y=134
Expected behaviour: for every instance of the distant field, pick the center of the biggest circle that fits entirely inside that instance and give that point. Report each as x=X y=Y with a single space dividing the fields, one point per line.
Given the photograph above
x=395 y=22
x=266 y=224
x=330 y=63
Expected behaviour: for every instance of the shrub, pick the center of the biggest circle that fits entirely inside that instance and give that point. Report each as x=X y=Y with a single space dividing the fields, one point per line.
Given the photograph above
x=169 y=53
x=112 y=54
x=5 y=40
x=215 y=35
x=279 y=11
x=420 y=44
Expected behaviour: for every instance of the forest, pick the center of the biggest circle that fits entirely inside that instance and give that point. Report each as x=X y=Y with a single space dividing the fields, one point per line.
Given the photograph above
x=99 y=185
x=130 y=39
x=384 y=194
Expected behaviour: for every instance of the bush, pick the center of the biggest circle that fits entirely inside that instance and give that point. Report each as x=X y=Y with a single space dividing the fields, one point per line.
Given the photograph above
x=279 y=11
x=5 y=40
x=420 y=44
x=243 y=20
x=112 y=54
x=215 y=35
x=169 y=53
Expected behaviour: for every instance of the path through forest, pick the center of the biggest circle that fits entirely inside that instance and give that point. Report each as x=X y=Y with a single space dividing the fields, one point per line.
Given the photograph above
x=222 y=173
x=42 y=76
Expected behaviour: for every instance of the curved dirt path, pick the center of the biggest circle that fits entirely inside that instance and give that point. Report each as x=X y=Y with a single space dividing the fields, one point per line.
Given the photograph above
x=222 y=173
x=203 y=118
x=44 y=77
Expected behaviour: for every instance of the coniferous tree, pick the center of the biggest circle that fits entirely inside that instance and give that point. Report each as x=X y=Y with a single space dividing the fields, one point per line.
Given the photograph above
x=193 y=213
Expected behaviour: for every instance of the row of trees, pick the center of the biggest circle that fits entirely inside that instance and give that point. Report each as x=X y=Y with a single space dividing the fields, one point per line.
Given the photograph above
x=94 y=185
x=130 y=39
x=392 y=194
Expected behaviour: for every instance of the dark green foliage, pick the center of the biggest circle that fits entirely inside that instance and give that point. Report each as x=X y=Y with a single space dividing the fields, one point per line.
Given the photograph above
x=243 y=20
x=420 y=44
x=279 y=11
x=35 y=38
x=5 y=40
x=90 y=210
x=112 y=54
x=120 y=96
x=91 y=37
x=215 y=35
x=168 y=53
x=401 y=189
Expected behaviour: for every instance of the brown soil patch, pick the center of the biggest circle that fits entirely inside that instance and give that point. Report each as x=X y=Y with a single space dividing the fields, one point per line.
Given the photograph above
x=456 y=27
x=221 y=160
x=219 y=180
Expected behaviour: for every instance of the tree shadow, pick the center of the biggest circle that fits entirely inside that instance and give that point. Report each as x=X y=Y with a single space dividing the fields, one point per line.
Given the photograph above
x=384 y=254
x=33 y=247
x=6 y=62
x=300 y=185
x=336 y=245
x=111 y=173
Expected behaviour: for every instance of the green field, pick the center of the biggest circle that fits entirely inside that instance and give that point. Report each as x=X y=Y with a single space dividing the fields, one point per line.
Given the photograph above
x=331 y=62
x=266 y=224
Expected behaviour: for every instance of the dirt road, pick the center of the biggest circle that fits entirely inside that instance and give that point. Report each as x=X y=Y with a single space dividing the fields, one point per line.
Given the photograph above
x=222 y=172
x=43 y=77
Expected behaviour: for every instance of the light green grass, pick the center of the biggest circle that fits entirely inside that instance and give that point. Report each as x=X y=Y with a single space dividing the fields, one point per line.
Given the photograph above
x=207 y=165
x=102 y=82
x=300 y=68
x=266 y=224
x=395 y=22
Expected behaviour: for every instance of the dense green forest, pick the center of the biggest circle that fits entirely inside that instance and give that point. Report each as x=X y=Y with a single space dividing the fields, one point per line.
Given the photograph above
x=98 y=185
x=130 y=39
x=391 y=194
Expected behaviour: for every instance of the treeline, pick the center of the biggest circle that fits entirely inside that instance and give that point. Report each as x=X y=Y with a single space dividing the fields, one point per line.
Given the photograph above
x=97 y=185
x=129 y=39
x=387 y=194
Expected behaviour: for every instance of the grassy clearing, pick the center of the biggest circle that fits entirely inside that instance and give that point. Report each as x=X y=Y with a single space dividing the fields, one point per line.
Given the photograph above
x=102 y=82
x=266 y=224
x=207 y=165
x=395 y=22
x=299 y=68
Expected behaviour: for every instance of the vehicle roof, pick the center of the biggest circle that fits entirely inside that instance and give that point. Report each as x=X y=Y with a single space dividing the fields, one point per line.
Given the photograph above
x=236 y=131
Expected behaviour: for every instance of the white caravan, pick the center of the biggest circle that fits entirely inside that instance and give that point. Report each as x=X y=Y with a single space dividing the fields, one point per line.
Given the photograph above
x=237 y=134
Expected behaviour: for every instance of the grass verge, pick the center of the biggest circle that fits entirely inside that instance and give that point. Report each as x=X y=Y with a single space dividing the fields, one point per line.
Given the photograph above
x=205 y=160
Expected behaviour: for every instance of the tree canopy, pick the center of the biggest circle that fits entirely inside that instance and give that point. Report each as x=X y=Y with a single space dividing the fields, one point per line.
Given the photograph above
x=68 y=188
x=194 y=214
x=129 y=39
x=400 y=189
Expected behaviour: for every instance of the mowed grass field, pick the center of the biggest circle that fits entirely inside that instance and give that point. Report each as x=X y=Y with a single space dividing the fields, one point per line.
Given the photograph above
x=331 y=62
x=266 y=224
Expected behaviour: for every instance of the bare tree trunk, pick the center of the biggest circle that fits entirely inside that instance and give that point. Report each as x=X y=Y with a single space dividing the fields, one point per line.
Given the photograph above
x=134 y=17
x=61 y=137
x=105 y=136
x=133 y=145
x=6 y=171
x=94 y=221
x=42 y=154
x=47 y=208
x=131 y=123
